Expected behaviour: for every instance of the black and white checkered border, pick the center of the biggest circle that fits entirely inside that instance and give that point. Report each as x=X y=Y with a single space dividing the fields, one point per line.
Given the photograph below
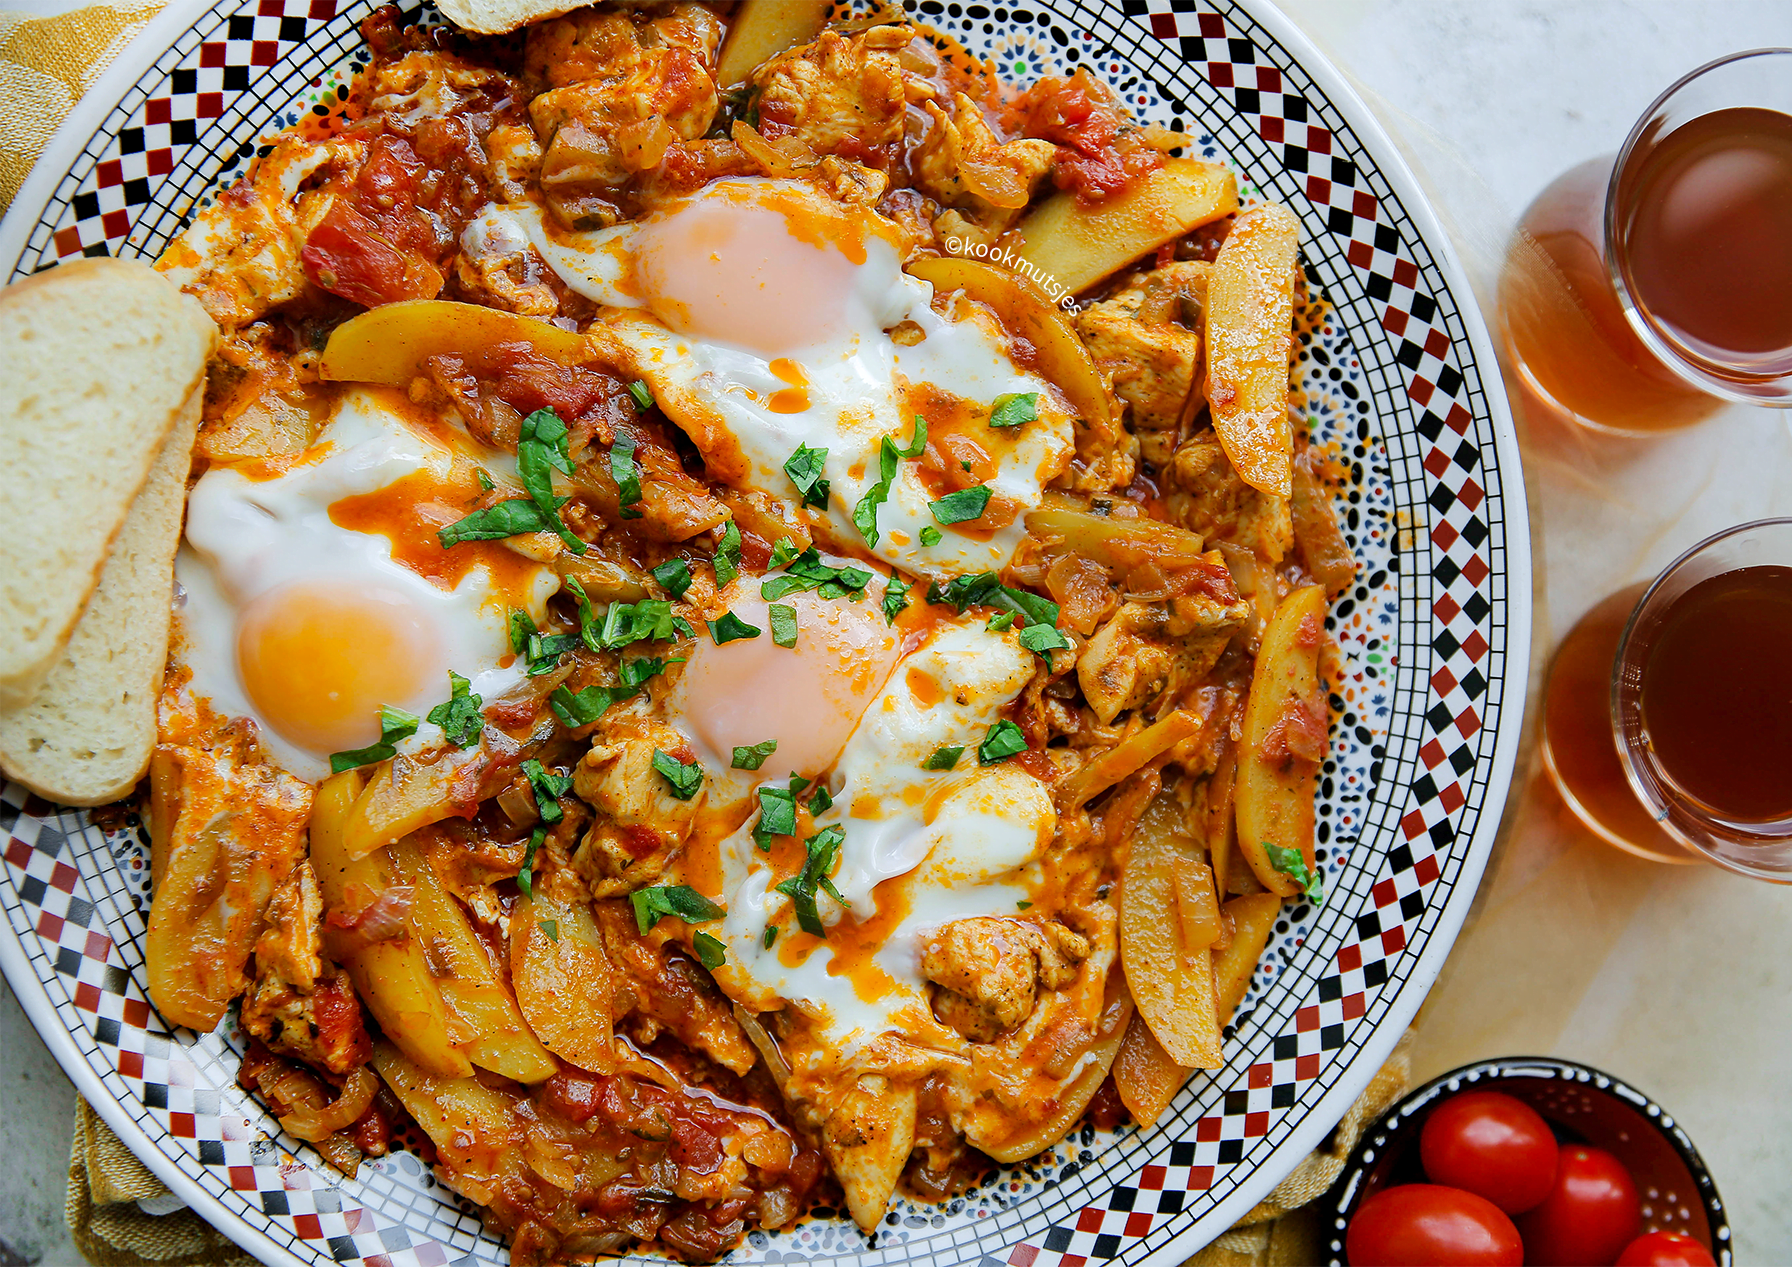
x=1314 y=1027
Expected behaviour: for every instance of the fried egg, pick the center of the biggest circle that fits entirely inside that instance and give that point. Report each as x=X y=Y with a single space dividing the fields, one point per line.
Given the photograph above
x=921 y=847
x=313 y=595
x=765 y=317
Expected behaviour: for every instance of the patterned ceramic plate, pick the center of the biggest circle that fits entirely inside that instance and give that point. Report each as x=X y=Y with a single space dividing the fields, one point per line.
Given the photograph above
x=1400 y=379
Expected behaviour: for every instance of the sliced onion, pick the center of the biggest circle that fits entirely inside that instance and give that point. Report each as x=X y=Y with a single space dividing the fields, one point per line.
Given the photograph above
x=313 y=1119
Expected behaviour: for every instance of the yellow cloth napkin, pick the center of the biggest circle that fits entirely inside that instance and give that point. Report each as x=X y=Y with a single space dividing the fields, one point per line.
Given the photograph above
x=45 y=66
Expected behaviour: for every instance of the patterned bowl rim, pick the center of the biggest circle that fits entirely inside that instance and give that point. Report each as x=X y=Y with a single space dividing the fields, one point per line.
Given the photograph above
x=89 y=115
x=1344 y=1192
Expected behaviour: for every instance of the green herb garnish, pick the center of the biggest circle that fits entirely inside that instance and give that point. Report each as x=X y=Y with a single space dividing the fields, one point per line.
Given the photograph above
x=806 y=572
x=395 y=725
x=889 y=455
x=586 y=706
x=727 y=556
x=777 y=815
x=985 y=589
x=1004 y=740
x=459 y=717
x=683 y=778
x=1291 y=863
x=895 y=598
x=943 y=757
x=710 y=951
x=783 y=622
x=1042 y=640
x=550 y=928
x=1001 y=623
x=641 y=394
x=731 y=628
x=626 y=471
x=675 y=575
x=821 y=800
x=680 y=901
x=525 y=878
x=522 y=628
x=754 y=757
x=805 y=468
x=649 y=620
x=548 y=788
x=1013 y=409
x=823 y=848
x=771 y=935
x=930 y=536
x=961 y=507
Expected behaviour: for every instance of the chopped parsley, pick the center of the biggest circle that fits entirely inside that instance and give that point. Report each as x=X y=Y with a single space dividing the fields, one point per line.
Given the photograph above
x=777 y=813
x=783 y=622
x=540 y=451
x=626 y=471
x=805 y=468
x=680 y=901
x=710 y=951
x=684 y=778
x=395 y=725
x=1042 y=640
x=943 y=757
x=522 y=628
x=806 y=572
x=548 y=787
x=985 y=589
x=550 y=928
x=823 y=849
x=727 y=556
x=525 y=878
x=731 y=628
x=783 y=552
x=961 y=507
x=754 y=757
x=771 y=935
x=459 y=717
x=1013 y=409
x=544 y=651
x=895 y=598
x=641 y=394
x=998 y=624
x=510 y=518
x=864 y=515
x=1004 y=740
x=649 y=620
x=675 y=575
x=930 y=536
x=485 y=478
x=1291 y=863
x=821 y=800
x=586 y=706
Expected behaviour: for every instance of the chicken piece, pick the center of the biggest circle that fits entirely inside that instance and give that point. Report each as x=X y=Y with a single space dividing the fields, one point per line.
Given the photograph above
x=639 y=822
x=240 y=256
x=1208 y=497
x=291 y=945
x=842 y=95
x=1146 y=338
x=621 y=92
x=323 y=1026
x=868 y=1139
x=988 y=970
x=959 y=162
x=497 y=267
x=1146 y=649
x=226 y=831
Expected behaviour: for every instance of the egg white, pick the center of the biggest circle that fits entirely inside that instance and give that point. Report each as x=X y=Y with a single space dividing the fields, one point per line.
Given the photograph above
x=247 y=537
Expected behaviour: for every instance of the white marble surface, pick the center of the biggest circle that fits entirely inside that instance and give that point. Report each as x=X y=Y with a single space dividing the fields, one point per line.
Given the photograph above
x=1677 y=979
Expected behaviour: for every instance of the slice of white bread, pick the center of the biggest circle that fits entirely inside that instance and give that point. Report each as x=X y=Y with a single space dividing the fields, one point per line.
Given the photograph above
x=86 y=737
x=99 y=357
x=495 y=17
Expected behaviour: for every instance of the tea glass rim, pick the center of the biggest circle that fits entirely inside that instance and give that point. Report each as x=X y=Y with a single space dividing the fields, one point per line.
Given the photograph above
x=1773 y=390
x=1711 y=838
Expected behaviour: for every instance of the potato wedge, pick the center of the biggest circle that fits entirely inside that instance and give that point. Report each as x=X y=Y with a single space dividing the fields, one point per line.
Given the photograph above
x=564 y=980
x=1171 y=981
x=1144 y=1074
x=387 y=344
x=405 y=794
x=761 y=29
x=1126 y=758
x=473 y=1126
x=1121 y=544
x=1025 y=310
x=1250 y=336
x=472 y=989
x=1274 y=796
x=392 y=977
x=1253 y=919
x=1077 y=245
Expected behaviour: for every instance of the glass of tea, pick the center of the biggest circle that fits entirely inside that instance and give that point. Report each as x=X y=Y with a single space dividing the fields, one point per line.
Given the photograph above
x=1642 y=292
x=1701 y=699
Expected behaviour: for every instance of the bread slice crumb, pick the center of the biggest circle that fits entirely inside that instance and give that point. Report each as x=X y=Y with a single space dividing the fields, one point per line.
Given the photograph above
x=87 y=735
x=100 y=356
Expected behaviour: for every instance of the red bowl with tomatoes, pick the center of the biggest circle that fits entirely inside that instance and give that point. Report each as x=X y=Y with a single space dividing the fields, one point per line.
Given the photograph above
x=1555 y=1168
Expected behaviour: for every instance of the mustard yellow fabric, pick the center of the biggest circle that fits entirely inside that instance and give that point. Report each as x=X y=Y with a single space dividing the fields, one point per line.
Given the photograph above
x=45 y=66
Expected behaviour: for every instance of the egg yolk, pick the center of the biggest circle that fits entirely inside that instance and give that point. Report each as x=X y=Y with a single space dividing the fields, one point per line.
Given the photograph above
x=808 y=697
x=742 y=267
x=317 y=661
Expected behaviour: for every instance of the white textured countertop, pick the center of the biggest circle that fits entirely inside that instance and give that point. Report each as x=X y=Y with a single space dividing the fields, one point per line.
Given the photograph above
x=1675 y=979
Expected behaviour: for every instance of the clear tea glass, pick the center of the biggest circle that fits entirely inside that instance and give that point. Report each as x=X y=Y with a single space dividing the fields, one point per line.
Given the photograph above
x=1722 y=785
x=1641 y=292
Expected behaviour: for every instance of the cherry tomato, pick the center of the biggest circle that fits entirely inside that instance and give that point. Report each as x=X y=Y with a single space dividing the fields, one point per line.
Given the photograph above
x=1665 y=1249
x=1425 y=1225
x=1491 y=1145
x=1588 y=1217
